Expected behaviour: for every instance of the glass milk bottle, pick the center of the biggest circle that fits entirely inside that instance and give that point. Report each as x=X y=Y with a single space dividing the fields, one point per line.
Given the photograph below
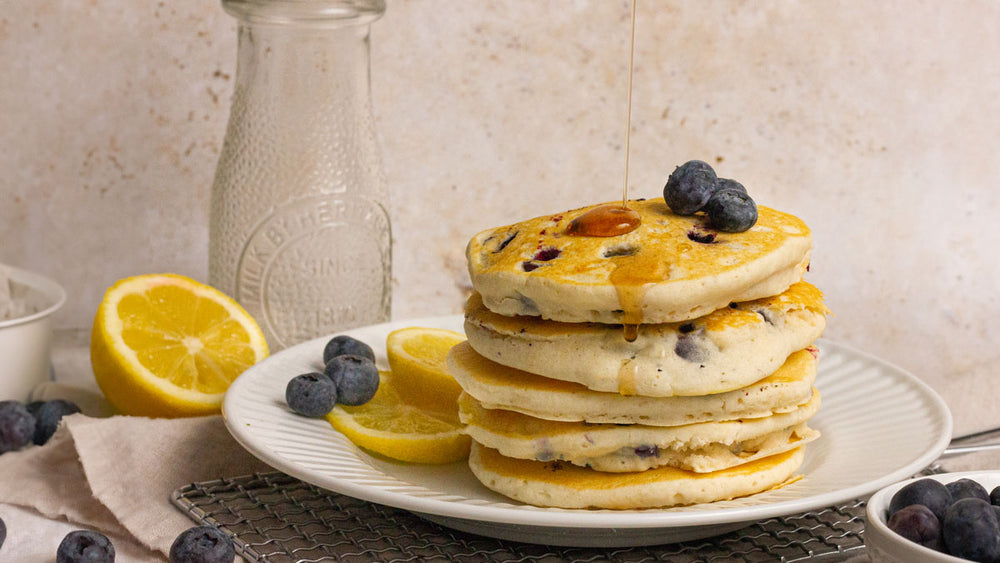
x=299 y=231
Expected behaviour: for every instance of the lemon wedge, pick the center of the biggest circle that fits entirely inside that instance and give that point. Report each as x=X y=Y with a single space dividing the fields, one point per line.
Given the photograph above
x=397 y=429
x=417 y=359
x=164 y=345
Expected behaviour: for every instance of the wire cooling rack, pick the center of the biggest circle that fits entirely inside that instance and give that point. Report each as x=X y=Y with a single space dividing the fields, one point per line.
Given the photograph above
x=273 y=517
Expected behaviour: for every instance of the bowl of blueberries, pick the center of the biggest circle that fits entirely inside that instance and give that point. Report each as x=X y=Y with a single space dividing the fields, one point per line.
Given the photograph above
x=944 y=517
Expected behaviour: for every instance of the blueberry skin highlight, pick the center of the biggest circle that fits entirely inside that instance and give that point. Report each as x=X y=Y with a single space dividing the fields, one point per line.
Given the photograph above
x=311 y=394
x=17 y=426
x=356 y=379
x=47 y=417
x=971 y=530
x=202 y=544
x=85 y=546
x=928 y=492
x=689 y=187
x=731 y=211
x=344 y=345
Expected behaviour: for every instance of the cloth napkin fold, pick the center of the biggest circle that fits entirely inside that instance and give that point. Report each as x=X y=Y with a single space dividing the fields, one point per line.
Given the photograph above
x=116 y=474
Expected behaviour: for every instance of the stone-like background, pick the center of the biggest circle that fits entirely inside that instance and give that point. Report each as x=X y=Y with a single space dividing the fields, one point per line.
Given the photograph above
x=878 y=123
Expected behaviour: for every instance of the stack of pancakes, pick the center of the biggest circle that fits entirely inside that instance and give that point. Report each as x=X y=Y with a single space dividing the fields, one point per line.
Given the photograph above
x=669 y=365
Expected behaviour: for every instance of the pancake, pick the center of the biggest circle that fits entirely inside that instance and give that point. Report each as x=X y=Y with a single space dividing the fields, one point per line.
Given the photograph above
x=724 y=350
x=671 y=268
x=704 y=447
x=502 y=387
x=560 y=484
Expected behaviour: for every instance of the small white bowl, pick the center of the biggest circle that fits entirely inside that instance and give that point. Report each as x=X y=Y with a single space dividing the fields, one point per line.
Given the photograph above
x=884 y=545
x=26 y=341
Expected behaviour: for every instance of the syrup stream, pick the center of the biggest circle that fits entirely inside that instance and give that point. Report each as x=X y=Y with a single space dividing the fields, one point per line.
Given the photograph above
x=628 y=105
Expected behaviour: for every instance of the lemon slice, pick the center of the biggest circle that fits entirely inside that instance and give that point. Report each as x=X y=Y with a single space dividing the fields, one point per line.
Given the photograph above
x=417 y=358
x=165 y=345
x=390 y=426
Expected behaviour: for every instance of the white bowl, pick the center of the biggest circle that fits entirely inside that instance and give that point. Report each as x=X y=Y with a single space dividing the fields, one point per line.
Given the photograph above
x=884 y=545
x=26 y=341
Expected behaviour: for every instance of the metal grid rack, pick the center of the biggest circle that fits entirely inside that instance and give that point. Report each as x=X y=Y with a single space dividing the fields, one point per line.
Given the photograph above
x=273 y=517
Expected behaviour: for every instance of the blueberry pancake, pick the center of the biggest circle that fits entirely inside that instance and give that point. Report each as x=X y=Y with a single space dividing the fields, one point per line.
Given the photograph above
x=703 y=447
x=671 y=268
x=560 y=484
x=501 y=387
x=727 y=349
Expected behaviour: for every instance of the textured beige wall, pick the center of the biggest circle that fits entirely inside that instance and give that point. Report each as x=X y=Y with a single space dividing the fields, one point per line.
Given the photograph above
x=876 y=122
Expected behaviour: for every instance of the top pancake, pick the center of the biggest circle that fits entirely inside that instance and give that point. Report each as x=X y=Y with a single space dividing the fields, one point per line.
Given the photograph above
x=671 y=268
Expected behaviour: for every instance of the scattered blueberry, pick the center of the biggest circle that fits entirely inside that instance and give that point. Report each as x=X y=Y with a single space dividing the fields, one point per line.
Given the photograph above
x=971 y=530
x=967 y=488
x=356 y=379
x=689 y=187
x=47 y=417
x=731 y=211
x=202 y=544
x=3 y=532
x=85 y=546
x=311 y=394
x=918 y=524
x=344 y=345
x=17 y=426
x=33 y=407
x=928 y=492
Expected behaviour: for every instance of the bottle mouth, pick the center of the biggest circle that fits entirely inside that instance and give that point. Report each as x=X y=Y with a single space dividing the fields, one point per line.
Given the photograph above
x=325 y=13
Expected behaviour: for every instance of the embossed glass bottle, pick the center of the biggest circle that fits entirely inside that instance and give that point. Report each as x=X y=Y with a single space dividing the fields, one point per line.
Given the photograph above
x=299 y=231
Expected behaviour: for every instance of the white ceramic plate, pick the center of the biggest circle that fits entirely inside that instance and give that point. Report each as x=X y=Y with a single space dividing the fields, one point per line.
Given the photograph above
x=879 y=425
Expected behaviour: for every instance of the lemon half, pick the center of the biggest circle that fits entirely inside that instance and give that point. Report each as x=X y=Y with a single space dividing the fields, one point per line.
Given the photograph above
x=164 y=345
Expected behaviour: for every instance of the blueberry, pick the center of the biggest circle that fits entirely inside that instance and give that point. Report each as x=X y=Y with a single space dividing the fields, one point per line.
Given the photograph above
x=47 y=417
x=33 y=407
x=647 y=451
x=731 y=211
x=3 y=532
x=85 y=546
x=356 y=379
x=202 y=544
x=688 y=347
x=311 y=394
x=928 y=492
x=967 y=488
x=689 y=187
x=995 y=496
x=971 y=530
x=344 y=345
x=727 y=184
x=17 y=426
x=918 y=524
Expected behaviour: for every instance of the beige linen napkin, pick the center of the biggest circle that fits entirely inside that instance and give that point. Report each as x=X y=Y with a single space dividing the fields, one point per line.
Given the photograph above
x=116 y=474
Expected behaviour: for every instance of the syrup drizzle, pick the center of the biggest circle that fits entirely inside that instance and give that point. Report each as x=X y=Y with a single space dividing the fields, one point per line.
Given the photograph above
x=628 y=105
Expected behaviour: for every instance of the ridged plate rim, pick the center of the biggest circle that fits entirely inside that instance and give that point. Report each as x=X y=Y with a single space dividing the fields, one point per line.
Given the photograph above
x=880 y=424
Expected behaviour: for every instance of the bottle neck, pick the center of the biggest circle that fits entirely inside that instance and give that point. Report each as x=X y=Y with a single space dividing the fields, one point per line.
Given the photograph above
x=306 y=13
